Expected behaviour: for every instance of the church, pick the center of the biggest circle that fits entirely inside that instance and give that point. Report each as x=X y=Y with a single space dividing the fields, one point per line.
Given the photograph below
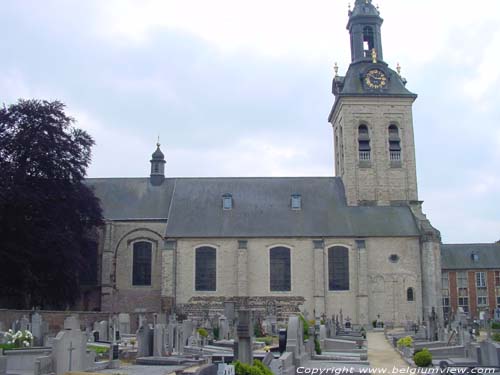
x=357 y=242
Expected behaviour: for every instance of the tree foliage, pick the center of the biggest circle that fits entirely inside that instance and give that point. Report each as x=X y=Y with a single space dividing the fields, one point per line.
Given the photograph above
x=47 y=213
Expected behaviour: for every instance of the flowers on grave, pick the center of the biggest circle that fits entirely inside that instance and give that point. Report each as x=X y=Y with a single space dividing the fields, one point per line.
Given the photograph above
x=19 y=339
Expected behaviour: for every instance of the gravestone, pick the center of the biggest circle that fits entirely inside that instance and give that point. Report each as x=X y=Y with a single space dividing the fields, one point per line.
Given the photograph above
x=124 y=323
x=171 y=335
x=223 y=328
x=224 y=369
x=71 y=322
x=24 y=324
x=282 y=340
x=229 y=311
x=36 y=329
x=69 y=351
x=187 y=332
x=159 y=344
x=244 y=332
x=3 y=365
x=145 y=341
x=322 y=332
x=179 y=346
x=103 y=330
x=295 y=339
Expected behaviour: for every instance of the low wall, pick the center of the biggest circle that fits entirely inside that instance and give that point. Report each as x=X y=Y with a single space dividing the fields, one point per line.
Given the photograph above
x=55 y=319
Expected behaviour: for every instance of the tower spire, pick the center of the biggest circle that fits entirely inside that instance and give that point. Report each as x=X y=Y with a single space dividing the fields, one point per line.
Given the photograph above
x=157 y=165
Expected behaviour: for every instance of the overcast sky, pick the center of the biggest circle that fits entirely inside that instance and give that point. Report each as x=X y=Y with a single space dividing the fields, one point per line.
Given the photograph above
x=243 y=88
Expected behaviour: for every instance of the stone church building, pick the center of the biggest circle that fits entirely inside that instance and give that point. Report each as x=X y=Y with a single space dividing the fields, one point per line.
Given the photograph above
x=357 y=241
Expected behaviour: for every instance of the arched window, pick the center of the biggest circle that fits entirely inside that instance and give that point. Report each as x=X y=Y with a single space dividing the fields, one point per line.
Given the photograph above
x=364 y=143
x=141 y=268
x=410 y=295
x=206 y=269
x=279 y=269
x=368 y=40
x=338 y=268
x=394 y=144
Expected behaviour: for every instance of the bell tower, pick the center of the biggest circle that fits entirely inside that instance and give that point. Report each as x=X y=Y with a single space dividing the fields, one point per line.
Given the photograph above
x=372 y=119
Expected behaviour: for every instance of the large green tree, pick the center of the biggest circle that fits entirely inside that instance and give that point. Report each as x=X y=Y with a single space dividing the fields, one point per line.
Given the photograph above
x=47 y=213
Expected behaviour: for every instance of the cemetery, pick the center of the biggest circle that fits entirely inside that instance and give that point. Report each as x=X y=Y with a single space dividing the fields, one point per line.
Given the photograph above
x=219 y=344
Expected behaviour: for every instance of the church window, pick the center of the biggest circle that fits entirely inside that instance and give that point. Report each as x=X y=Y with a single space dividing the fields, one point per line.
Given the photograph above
x=296 y=202
x=394 y=258
x=410 y=295
x=368 y=40
x=480 y=279
x=497 y=278
x=394 y=144
x=156 y=168
x=141 y=269
x=338 y=268
x=242 y=244
x=364 y=143
x=227 y=201
x=318 y=244
x=280 y=269
x=205 y=269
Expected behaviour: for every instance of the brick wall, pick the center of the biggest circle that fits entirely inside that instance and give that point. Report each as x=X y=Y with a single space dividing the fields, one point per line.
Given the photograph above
x=453 y=291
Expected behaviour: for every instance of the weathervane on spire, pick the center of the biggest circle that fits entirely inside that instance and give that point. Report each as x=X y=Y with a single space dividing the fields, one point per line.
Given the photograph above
x=398 y=69
x=336 y=70
x=158 y=142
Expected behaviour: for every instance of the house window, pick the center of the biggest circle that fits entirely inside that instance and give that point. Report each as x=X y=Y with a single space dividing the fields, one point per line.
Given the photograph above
x=206 y=269
x=280 y=269
x=242 y=244
x=445 y=280
x=296 y=202
x=482 y=297
x=394 y=144
x=462 y=281
x=141 y=267
x=446 y=303
x=227 y=201
x=364 y=144
x=463 y=297
x=410 y=295
x=338 y=268
x=480 y=279
x=497 y=278
x=498 y=302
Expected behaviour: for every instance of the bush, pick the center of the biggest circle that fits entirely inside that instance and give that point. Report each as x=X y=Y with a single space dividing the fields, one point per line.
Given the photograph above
x=7 y=346
x=423 y=358
x=317 y=346
x=258 y=368
x=405 y=342
x=306 y=327
x=496 y=337
x=202 y=332
x=98 y=349
x=495 y=325
x=268 y=340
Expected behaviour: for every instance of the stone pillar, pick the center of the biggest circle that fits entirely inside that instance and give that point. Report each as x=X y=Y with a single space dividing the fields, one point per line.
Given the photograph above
x=107 y=268
x=168 y=276
x=362 y=287
x=244 y=352
x=242 y=272
x=319 y=277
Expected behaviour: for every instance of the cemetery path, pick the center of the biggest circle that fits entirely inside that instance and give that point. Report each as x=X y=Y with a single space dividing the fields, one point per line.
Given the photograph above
x=381 y=354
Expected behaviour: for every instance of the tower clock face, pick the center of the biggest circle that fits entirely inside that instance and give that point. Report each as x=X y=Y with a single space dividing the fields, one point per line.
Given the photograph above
x=375 y=79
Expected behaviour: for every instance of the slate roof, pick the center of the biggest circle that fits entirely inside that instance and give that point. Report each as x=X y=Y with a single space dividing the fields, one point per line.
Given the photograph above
x=459 y=256
x=261 y=208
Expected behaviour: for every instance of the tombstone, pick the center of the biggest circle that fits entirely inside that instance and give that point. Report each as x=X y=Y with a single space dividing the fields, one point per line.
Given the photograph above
x=171 y=336
x=103 y=330
x=244 y=332
x=295 y=339
x=223 y=328
x=144 y=341
x=3 y=365
x=69 y=351
x=16 y=325
x=71 y=322
x=124 y=323
x=95 y=335
x=433 y=326
x=224 y=369
x=179 y=345
x=322 y=332
x=282 y=340
x=24 y=324
x=159 y=340
x=187 y=332
x=348 y=324
x=36 y=329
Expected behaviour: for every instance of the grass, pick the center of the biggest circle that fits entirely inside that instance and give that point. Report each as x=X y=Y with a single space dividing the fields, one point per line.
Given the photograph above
x=98 y=349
